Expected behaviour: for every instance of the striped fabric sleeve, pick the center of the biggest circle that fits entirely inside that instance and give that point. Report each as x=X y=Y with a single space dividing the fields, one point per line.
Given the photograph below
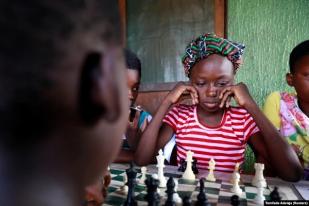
x=171 y=118
x=250 y=127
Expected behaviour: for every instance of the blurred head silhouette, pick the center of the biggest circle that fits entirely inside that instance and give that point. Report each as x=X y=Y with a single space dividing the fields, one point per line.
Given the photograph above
x=63 y=105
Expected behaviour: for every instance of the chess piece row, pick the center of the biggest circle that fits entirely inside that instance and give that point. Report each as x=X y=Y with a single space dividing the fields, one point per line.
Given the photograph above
x=189 y=174
x=257 y=181
x=153 y=194
x=153 y=198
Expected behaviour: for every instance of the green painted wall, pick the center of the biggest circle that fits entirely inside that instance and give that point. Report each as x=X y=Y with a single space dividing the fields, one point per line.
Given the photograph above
x=269 y=29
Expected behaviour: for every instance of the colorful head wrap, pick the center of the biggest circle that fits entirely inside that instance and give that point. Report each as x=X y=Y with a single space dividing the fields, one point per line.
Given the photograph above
x=208 y=44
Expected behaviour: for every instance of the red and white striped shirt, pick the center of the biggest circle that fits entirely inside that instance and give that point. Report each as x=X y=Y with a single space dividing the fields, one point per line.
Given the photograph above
x=225 y=143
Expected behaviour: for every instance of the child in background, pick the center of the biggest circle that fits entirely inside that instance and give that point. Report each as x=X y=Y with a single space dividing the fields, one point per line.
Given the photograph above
x=289 y=112
x=138 y=118
x=210 y=127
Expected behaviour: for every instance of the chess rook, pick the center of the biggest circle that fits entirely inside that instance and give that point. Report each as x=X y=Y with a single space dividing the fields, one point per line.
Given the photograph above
x=258 y=179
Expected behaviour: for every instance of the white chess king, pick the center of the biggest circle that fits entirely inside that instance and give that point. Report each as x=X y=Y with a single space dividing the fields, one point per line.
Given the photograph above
x=160 y=165
x=188 y=174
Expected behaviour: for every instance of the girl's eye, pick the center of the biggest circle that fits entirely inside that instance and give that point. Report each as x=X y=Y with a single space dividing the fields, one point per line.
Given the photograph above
x=135 y=89
x=200 y=84
x=221 y=84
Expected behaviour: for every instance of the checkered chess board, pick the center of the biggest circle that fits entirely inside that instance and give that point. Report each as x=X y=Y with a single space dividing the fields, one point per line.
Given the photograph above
x=218 y=193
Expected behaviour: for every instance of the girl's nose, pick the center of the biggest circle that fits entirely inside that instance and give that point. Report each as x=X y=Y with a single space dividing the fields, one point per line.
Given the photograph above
x=211 y=91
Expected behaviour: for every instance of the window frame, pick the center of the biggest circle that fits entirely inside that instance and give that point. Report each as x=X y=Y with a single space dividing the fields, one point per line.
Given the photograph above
x=220 y=23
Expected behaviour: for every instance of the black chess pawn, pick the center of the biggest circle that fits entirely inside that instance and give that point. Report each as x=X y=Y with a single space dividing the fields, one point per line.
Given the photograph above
x=152 y=196
x=274 y=195
x=170 y=192
x=186 y=201
x=235 y=200
x=183 y=165
x=131 y=174
x=201 y=197
x=194 y=166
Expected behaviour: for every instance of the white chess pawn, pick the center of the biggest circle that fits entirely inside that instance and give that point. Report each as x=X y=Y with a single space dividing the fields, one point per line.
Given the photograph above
x=259 y=198
x=236 y=170
x=143 y=177
x=177 y=199
x=155 y=176
x=188 y=174
x=124 y=188
x=259 y=177
x=211 y=167
x=160 y=165
x=236 y=189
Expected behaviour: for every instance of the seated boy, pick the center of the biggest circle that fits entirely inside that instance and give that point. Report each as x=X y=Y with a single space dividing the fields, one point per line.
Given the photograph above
x=289 y=112
x=138 y=118
x=63 y=106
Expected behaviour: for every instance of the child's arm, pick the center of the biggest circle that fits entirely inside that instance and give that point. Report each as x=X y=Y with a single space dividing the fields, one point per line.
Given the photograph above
x=133 y=132
x=157 y=134
x=132 y=135
x=276 y=149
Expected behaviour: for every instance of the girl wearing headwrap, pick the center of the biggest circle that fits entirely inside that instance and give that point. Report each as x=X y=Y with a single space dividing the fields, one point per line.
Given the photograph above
x=210 y=127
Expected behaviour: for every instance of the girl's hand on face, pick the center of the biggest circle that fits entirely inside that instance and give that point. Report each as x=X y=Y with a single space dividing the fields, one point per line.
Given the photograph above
x=181 y=92
x=239 y=92
x=134 y=118
x=132 y=132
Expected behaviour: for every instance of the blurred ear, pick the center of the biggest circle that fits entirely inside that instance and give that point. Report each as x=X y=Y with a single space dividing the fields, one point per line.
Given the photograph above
x=99 y=96
x=289 y=79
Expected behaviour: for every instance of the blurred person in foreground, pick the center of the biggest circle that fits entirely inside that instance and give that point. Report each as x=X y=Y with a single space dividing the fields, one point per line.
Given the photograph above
x=64 y=105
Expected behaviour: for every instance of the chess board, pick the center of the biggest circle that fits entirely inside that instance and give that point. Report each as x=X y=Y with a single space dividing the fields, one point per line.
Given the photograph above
x=218 y=193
